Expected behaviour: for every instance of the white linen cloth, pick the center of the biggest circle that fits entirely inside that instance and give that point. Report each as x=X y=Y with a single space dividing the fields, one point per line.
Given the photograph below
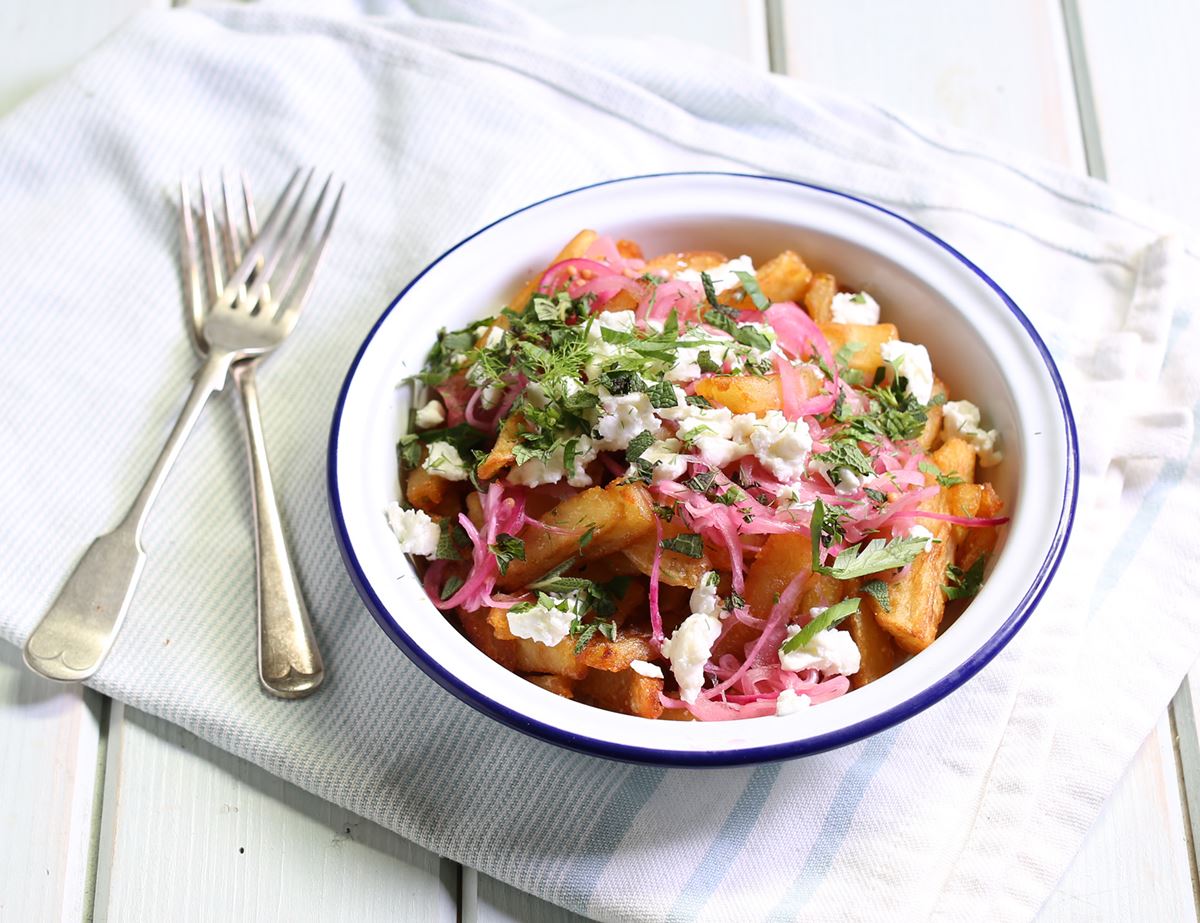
x=442 y=117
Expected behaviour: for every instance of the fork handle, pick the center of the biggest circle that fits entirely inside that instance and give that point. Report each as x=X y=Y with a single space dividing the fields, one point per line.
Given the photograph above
x=289 y=662
x=76 y=634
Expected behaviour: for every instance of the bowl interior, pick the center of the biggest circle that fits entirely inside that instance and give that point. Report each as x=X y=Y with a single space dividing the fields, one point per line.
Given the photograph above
x=980 y=346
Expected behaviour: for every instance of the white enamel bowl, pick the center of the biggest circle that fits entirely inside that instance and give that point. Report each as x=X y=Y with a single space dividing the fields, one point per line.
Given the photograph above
x=981 y=345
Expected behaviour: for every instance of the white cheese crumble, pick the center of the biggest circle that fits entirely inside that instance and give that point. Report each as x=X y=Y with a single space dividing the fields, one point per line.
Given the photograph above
x=848 y=482
x=919 y=531
x=642 y=668
x=493 y=338
x=537 y=471
x=723 y=276
x=911 y=360
x=788 y=703
x=704 y=598
x=668 y=464
x=717 y=435
x=961 y=419
x=855 y=309
x=622 y=417
x=830 y=651
x=431 y=415
x=548 y=620
x=781 y=444
x=442 y=459
x=689 y=648
x=600 y=351
x=414 y=530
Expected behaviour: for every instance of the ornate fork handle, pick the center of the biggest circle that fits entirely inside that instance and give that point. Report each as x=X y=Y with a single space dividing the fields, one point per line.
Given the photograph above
x=75 y=635
x=289 y=662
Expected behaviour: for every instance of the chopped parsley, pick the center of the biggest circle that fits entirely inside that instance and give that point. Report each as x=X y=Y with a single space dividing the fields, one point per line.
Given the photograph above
x=864 y=558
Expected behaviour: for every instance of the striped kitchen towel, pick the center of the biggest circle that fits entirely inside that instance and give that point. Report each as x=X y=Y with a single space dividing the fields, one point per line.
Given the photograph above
x=443 y=116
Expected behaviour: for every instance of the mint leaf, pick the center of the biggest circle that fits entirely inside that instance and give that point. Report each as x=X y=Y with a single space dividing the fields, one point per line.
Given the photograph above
x=453 y=584
x=662 y=395
x=878 y=590
x=750 y=285
x=710 y=293
x=508 y=548
x=827 y=619
x=638 y=446
x=707 y=364
x=964 y=584
x=686 y=543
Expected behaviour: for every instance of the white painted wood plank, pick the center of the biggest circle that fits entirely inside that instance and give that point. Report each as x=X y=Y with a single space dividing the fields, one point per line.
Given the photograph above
x=1129 y=867
x=1142 y=67
x=47 y=783
x=190 y=832
x=999 y=69
x=40 y=39
x=736 y=27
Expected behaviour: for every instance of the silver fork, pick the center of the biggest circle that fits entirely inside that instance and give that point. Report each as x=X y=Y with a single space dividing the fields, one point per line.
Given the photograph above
x=77 y=632
x=289 y=662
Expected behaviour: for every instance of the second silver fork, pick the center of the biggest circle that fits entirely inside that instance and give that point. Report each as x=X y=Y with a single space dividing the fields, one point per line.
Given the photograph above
x=289 y=662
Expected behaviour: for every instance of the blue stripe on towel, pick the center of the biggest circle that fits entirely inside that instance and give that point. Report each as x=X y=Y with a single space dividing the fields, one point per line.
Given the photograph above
x=727 y=846
x=836 y=824
x=615 y=819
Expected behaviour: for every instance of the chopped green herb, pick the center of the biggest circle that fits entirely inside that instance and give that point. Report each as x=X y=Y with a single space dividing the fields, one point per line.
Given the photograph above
x=686 y=543
x=454 y=583
x=699 y=400
x=452 y=541
x=750 y=285
x=662 y=395
x=962 y=584
x=826 y=620
x=710 y=293
x=638 y=446
x=946 y=480
x=706 y=363
x=878 y=590
x=586 y=537
x=508 y=548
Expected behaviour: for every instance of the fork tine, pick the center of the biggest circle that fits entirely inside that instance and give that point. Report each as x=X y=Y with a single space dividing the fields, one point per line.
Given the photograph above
x=295 y=298
x=193 y=292
x=299 y=247
x=230 y=233
x=267 y=242
x=252 y=225
x=210 y=238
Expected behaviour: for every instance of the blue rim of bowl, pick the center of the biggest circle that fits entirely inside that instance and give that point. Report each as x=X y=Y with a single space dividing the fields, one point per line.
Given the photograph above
x=743 y=755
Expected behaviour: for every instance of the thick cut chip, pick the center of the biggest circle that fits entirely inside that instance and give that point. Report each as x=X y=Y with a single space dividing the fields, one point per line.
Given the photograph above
x=981 y=540
x=674 y=568
x=698 y=260
x=430 y=492
x=818 y=299
x=626 y=692
x=561 y=659
x=868 y=338
x=955 y=456
x=755 y=393
x=559 y=685
x=933 y=423
x=501 y=455
x=629 y=250
x=782 y=557
x=876 y=649
x=479 y=632
x=784 y=278
x=617 y=516
x=602 y=654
